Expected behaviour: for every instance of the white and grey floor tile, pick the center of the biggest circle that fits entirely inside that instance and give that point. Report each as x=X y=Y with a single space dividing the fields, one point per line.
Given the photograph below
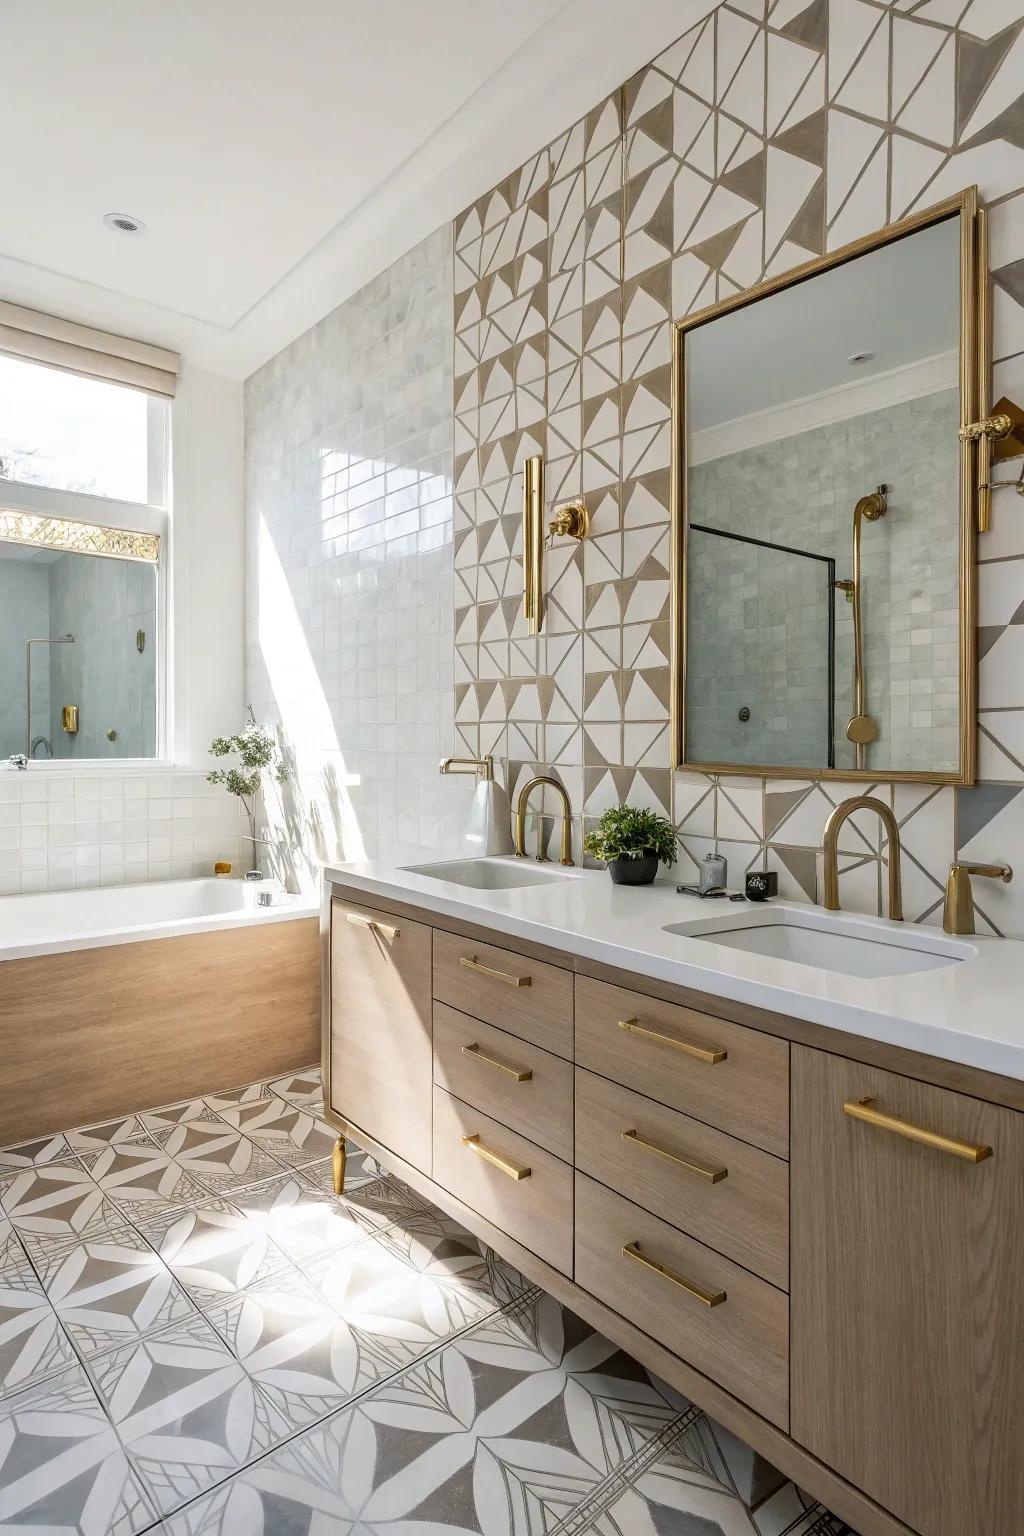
x=142 y=1180
x=305 y=1223
x=218 y=1155
x=168 y=1115
x=199 y=1338
x=109 y=1133
x=213 y=1250
x=292 y=1134
x=32 y=1341
x=62 y=1467
x=185 y=1410
x=31 y=1154
x=109 y=1290
x=57 y=1200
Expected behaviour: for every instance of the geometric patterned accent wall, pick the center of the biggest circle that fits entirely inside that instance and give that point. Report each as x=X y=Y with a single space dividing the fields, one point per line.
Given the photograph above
x=769 y=133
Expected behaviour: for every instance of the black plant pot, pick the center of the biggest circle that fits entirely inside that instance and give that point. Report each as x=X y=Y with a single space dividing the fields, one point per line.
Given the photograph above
x=634 y=871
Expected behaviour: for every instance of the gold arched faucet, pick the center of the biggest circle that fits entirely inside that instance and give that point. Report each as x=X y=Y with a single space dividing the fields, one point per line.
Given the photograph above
x=830 y=848
x=521 y=808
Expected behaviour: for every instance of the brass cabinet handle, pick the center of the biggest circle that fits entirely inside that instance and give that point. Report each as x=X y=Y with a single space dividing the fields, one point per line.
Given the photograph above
x=700 y=1052
x=706 y=1298
x=713 y=1175
x=473 y=964
x=514 y=1170
x=359 y=921
x=499 y=1066
x=864 y=1109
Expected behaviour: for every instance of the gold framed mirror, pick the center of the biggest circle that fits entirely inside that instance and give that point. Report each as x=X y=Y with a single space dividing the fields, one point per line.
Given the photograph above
x=825 y=507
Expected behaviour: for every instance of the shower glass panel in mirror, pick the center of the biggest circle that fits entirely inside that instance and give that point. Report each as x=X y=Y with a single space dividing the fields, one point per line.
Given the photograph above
x=78 y=648
x=826 y=514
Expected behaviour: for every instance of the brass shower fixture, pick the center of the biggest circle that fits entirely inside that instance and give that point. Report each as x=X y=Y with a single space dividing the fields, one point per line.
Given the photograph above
x=571 y=521
x=862 y=728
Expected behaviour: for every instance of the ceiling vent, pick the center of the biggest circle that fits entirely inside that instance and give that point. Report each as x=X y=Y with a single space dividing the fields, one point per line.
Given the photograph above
x=124 y=224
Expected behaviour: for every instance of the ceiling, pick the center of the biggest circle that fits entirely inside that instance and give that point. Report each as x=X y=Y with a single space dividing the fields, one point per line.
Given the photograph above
x=279 y=155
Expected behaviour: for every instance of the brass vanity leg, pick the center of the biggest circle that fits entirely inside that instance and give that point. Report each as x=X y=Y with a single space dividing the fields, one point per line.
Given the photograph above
x=338 y=1165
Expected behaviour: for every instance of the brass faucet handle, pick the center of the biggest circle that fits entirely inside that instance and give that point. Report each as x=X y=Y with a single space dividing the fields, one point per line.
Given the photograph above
x=958 y=907
x=993 y=427
x=570 y=521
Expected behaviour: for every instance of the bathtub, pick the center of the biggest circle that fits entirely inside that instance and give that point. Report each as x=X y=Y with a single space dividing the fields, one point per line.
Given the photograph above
x=57 y=921
x=118 y=998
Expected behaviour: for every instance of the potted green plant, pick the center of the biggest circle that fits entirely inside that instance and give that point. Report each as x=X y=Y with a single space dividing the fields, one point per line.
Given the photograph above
x=632 y=843
x=257 y=751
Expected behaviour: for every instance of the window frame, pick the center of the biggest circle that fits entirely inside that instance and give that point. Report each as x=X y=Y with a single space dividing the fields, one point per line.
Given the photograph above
x=150 y=516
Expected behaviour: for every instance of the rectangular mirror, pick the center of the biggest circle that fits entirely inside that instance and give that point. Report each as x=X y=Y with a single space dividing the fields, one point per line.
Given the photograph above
x=825 y=514
x=78 y=651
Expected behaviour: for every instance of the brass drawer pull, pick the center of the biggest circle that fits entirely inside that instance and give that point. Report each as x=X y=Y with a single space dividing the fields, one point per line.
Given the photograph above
x=706 y=1298
x=499 y=1066
x=384 y=929
x=713 y=1175
x=473 y=964
x=701 y=1052
x=513 y=1170
x=864 y=1109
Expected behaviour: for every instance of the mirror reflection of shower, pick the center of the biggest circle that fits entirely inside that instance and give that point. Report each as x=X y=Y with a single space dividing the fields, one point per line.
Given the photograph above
x=862 y=729
x=68 y=639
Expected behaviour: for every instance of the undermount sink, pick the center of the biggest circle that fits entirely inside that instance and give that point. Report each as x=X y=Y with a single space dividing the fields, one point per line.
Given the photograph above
x=828 y=941
x=488 y=874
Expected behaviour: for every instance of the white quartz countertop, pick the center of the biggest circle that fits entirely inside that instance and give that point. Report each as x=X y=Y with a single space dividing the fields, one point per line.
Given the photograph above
x=970 y=1012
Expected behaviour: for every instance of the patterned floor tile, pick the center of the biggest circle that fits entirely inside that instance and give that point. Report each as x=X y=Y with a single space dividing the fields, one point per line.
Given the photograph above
x=31 y=1154
x=32 y=1342
x=62 y=1469
x=290 y=1133
x=185 y=1410
x=177 y=1114
x=503 y=1431
x=142 y=1179
x=58 y=1200
x=306 y=1358
x=214 y=1251
x=110 y=1133
x=12 y=1254
x=302 y=1088
x=303 y=1222
x=449 y=1257
x=218 y=1155
x=110 y=1289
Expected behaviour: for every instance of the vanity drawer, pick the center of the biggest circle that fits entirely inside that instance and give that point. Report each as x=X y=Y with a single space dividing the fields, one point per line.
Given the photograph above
x=526 y=997
x=519 y=1084
x=731 y=1077
x=512 y=1182
x=737 y=1335
x=728 y=1194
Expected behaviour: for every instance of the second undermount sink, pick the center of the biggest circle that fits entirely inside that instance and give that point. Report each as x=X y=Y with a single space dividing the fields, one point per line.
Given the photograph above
x=828 y=941
x=488 y=874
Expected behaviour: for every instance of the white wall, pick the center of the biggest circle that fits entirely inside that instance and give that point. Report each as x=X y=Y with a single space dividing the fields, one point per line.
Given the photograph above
x=208 y=564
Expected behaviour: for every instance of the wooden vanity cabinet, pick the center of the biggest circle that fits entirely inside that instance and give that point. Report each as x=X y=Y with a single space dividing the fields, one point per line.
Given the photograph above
x=381 y=1052
x=681 y=1171
x=907 y=1285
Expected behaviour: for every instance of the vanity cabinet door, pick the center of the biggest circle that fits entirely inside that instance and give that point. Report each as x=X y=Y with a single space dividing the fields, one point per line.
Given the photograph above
x=381 y=1042
x=906 y=1280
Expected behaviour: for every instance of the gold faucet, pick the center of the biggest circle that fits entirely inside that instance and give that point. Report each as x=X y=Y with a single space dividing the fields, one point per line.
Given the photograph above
x=521 y=805
x=958 y=908
x=830 y=848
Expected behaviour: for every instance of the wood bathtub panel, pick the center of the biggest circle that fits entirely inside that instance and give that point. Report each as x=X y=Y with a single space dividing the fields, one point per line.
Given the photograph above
x=94 y=1033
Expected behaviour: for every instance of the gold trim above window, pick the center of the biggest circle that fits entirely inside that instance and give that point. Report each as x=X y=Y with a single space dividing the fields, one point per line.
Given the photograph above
x=78 y=538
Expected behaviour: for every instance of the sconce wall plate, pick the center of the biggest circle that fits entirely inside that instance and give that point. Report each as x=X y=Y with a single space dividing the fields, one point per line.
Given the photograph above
x=69 y=719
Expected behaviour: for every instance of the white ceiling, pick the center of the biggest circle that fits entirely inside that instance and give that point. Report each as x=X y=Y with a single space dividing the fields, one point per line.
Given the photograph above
x=279 y=154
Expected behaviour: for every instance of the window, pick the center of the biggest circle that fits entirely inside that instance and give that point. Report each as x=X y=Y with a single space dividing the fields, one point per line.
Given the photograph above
x=83 y=469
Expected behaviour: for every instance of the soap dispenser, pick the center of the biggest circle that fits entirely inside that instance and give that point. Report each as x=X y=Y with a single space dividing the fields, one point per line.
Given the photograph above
x=488 y=829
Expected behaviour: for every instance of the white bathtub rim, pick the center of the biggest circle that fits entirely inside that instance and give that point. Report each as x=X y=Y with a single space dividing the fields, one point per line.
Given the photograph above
x=286 y=909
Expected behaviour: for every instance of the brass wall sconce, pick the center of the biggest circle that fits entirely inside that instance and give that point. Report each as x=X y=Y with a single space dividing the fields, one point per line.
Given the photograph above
x=533 y=543
x=571 y=521
x=69 y=719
